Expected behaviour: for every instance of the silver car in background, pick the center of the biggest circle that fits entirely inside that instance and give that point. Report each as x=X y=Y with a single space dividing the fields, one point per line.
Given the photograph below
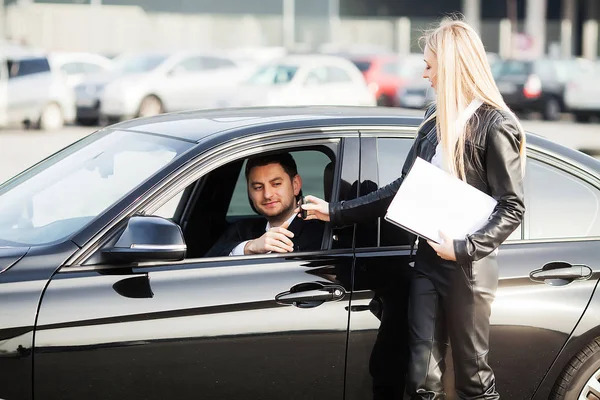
x=36 y=95
x=153 y=83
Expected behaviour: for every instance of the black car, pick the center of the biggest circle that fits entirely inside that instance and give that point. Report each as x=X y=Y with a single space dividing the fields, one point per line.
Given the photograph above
x=105 y=291
x=535 y=85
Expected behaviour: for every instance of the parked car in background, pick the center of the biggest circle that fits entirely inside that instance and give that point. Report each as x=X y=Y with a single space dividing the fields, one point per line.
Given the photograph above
x=306 y=79
x=107 y=293
x=37 y=95
x=153 y=83
x=416 y=94
x=582 y=95
x=535 y=85
x=387 y=75
x=76 y=66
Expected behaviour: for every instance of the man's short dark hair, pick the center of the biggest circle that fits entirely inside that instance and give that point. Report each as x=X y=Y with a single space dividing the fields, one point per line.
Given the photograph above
x=284 y=159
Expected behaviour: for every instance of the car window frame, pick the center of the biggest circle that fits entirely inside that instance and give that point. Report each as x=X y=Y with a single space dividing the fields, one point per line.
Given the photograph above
x=201 y=165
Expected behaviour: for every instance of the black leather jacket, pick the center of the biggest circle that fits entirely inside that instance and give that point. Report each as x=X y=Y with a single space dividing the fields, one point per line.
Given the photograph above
x=495 y=169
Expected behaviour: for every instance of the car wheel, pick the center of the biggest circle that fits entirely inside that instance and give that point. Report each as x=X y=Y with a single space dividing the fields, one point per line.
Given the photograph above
x=551 y=109
x=581 y=378
x=150 y=105
x=51 y=118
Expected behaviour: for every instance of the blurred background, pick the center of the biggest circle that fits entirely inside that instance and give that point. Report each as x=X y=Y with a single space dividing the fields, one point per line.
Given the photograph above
x=68 y=67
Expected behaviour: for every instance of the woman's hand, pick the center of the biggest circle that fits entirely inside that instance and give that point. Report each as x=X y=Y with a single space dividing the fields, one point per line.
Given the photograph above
x=444 y=250
x=315 y=207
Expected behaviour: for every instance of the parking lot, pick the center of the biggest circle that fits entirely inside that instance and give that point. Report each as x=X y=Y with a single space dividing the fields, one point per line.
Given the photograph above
x=20 y=149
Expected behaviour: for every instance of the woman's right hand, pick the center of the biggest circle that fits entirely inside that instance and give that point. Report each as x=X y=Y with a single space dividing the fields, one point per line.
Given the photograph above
x=316 y=208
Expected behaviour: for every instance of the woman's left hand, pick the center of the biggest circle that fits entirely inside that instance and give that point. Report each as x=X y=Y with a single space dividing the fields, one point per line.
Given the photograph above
x=444 y=250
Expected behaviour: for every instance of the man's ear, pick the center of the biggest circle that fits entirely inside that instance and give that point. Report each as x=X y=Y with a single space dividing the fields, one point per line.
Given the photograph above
x=297 y=184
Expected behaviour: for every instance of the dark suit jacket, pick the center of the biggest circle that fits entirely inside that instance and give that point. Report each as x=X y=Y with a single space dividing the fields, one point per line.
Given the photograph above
x=307 y=235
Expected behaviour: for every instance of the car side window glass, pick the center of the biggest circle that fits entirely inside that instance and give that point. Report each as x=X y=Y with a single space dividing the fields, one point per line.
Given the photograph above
x=337 y=75
x=72 y=68
x=312 y=165
x=192 y=64
x=317 y=76
x=28 y=67
x=89 y=68
x=391 y=153
x=552 y=194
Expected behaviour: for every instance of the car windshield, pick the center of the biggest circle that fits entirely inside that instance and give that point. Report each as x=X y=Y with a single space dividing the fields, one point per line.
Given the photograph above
x=273 y=75
x=61 y=194
x=137 y=64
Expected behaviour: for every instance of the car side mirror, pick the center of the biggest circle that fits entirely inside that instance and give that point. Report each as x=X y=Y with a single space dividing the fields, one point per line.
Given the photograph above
x=148 y=238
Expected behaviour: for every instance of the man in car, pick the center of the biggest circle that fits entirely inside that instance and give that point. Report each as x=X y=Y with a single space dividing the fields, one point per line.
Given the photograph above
x=274 y=188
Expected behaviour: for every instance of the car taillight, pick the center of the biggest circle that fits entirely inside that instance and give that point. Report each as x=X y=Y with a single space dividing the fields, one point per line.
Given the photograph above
x=533 y=87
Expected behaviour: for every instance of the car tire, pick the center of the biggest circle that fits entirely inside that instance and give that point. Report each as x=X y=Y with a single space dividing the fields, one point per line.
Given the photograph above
x=581 y=374
x=51 y=118
x=551 y=109
x=150 y=106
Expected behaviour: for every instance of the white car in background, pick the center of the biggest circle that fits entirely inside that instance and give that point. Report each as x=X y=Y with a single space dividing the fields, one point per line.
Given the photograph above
x=582 y=93
x=150 y=84
x=303 y=80
x=36 y=94
x=76 y=66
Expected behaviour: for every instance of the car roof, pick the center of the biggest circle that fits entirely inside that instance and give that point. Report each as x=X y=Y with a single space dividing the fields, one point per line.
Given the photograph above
x=196 y=126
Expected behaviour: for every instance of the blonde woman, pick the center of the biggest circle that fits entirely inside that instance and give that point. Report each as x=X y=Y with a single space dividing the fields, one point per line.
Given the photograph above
x=472 y=134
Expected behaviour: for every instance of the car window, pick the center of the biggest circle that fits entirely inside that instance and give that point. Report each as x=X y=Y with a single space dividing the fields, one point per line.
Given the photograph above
x=72 y=68
x=216 y=62
x=337 y=75
x=317 y=76
x=311 y=166
x=559 y=205
x=192 y=64
x=26 y=67
x=90 y=68
x=510 y=68
x=273 y=75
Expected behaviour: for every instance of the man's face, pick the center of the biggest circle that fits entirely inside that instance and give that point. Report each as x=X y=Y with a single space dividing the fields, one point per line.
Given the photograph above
x=273 y=192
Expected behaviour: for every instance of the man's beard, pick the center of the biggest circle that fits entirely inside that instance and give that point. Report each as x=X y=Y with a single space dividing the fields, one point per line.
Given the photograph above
x=283 y=215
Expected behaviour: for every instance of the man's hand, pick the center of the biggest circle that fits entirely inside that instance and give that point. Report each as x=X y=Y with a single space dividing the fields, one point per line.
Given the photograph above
x=274 y=240
x=444 y=250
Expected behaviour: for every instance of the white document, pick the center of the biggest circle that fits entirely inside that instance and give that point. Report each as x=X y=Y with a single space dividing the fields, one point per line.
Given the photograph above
x=431 y=200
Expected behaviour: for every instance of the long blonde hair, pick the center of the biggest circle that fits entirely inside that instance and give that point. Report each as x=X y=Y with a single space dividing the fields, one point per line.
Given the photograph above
x=464 y=74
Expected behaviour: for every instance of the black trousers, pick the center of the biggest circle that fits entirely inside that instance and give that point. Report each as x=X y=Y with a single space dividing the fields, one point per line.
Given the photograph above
x=450 y=302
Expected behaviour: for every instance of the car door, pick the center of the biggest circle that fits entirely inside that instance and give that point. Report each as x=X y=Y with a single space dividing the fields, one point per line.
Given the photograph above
x=532 y=317
x=202 y=327
x=377 y=341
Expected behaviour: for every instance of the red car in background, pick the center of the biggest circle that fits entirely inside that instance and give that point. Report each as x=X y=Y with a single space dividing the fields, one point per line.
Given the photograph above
x=387 y=74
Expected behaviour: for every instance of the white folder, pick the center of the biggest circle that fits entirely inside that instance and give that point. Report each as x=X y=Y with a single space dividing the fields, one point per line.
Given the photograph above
x=431 y=200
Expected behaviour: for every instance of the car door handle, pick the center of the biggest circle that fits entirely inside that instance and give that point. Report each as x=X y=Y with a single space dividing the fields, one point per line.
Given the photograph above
x=559 y=273
x=311 y=294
